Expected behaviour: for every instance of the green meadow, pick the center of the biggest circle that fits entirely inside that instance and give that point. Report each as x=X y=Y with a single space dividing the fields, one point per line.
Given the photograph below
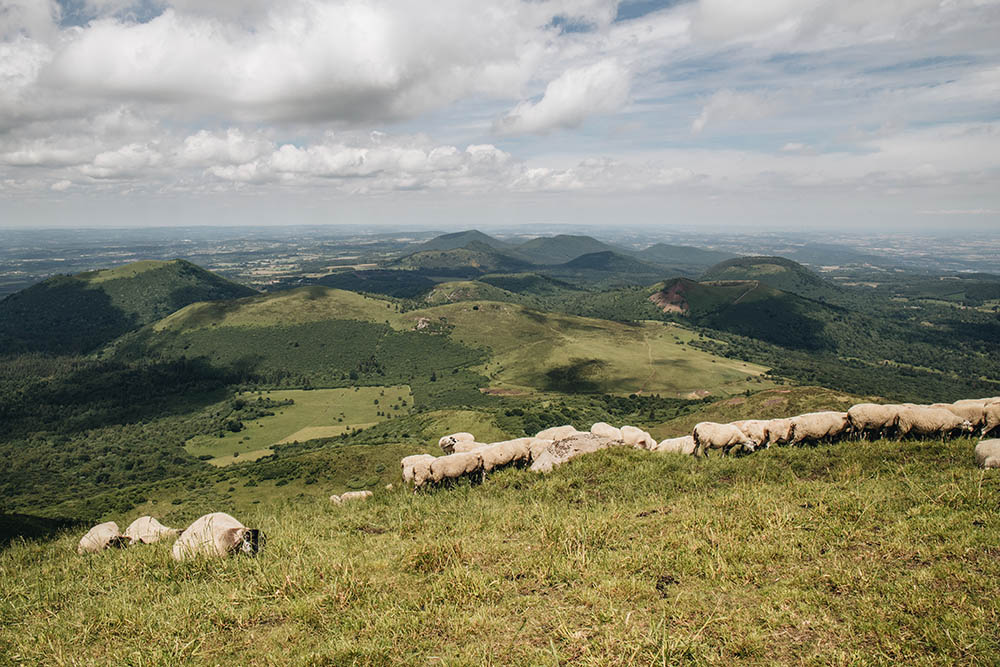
x=532 y=351
x=855 y=553
x=314 y=414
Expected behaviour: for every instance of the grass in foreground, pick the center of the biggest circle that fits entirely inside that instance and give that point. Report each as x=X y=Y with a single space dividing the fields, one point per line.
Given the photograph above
x=852 y=553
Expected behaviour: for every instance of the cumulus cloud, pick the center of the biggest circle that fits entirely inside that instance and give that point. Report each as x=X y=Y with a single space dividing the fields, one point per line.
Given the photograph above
x=579 y=92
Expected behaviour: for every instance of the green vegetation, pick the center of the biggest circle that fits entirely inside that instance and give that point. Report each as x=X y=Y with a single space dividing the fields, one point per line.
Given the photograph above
x=76 y=314
x=531 y=350
x=396 y=283
x=473 y=259
x=299 y=416
x=835 y=554
x=776 y=272
x=562 y=248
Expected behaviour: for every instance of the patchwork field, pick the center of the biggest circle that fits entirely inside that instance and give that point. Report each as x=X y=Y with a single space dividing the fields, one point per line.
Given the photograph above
x=317 y=413
x=549 y=351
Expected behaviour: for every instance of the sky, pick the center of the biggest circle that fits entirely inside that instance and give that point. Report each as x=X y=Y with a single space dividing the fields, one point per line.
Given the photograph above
x=776 y=114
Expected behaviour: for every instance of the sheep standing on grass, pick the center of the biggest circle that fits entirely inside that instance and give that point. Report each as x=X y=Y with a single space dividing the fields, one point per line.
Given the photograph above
x=724 y=437
x=780 y=432
x=988 y=454
x=973 y=411
x=921 y=420
x=505 y=453
x=538 y=446
x=102 y=536
x=872 y=419
x=755 y=429
x=991 y=417
x=819 y=426
x=454 y=466
x=416 y=469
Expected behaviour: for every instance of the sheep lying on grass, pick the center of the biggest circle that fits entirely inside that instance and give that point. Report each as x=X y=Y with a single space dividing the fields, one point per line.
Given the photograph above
x=988 y=453
x=147 y=530
x=217 y=535
x=349 y=496
x=102 y=536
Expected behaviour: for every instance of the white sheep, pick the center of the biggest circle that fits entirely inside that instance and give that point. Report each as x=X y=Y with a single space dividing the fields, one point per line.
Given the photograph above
x=102 y=536
x=217 y=535
x=818 y=426
x=454 y=466
x=988 y=453
x=448 y=442
x=416 y=469
x=873 y=419
x=924 y=420
x=557 y=433
x=725 y=437
x=147 y=530
x=637 y=438
x=682 y=445
x=606 y=431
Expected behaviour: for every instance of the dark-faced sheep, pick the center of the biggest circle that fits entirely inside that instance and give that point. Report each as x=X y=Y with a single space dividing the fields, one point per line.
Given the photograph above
x=217 y=535
x=102 y=536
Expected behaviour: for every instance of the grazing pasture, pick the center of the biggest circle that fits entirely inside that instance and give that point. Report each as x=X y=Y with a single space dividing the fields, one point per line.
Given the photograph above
x=850 y=553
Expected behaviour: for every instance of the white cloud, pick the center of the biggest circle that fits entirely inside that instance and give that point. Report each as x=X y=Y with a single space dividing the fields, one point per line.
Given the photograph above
x=128 y=161
x=579 y=92
x=730 y=105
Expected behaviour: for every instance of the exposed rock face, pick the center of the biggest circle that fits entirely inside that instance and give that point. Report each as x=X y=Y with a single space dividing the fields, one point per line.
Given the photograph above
x=569 y=448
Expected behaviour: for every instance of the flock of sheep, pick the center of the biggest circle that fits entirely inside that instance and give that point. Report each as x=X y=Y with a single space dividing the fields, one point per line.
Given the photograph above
x=220 y=535
x=215 y=535
x=465 y=457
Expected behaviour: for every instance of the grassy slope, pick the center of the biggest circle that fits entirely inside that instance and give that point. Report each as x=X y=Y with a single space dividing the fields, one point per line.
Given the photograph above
x=850 y=553
x=298 y=306
x=319 y=413
x=649 y=357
